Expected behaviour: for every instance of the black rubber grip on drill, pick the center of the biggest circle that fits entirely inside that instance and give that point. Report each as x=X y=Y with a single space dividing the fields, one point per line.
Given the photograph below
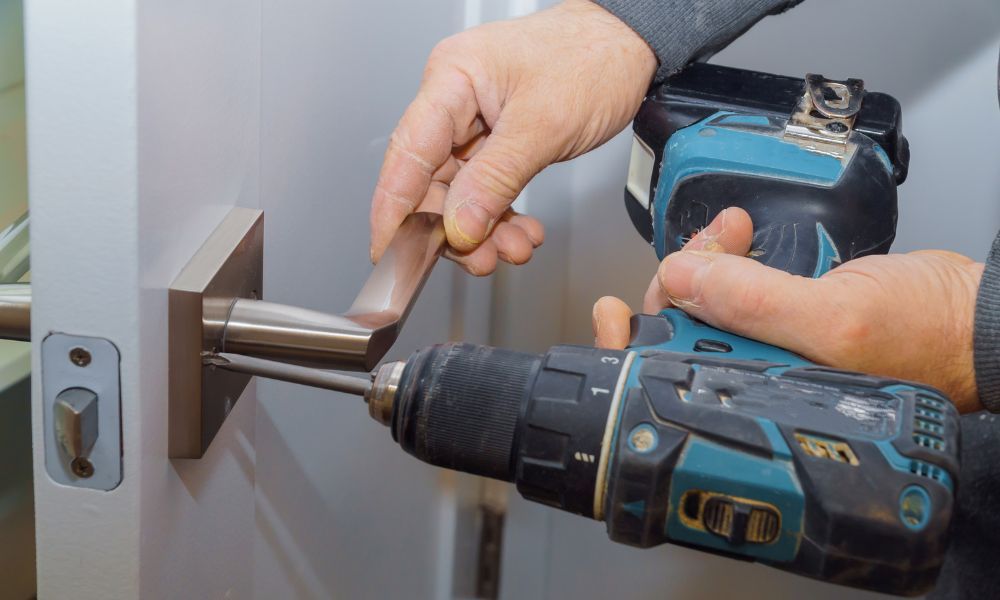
x=458 y=406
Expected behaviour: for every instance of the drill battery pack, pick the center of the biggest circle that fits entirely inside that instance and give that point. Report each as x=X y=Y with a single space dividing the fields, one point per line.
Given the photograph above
x=815 y=163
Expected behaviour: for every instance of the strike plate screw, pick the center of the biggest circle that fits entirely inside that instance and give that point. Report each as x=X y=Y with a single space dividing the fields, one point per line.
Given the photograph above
x=82 y=467
x=79 y=357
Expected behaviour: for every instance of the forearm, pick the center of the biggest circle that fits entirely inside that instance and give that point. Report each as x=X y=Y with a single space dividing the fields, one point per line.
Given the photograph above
x=680 y=31
x=986 y=335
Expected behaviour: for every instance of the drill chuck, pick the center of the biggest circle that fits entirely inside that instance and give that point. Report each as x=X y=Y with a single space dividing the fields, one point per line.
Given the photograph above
x=458 y=406
x=540 y=421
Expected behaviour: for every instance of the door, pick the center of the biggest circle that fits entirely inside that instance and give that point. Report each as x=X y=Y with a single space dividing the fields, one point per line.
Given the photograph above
x=148 y=122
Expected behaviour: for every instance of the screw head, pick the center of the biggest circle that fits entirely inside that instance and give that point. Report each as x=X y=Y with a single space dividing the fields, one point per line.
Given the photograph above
x=643 y=439
x=836 y=127
x=82 y=467
x=79 y=356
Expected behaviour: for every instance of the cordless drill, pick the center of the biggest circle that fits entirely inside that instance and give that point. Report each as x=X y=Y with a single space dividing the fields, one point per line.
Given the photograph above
x=696 y=436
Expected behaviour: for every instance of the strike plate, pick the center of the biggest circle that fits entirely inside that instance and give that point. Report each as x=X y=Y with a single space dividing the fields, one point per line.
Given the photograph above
x=228 y=266
x=75 y=362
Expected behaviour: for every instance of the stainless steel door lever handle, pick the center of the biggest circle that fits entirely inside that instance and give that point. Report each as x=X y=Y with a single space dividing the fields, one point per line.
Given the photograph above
x=353 y=340
x=15 y=311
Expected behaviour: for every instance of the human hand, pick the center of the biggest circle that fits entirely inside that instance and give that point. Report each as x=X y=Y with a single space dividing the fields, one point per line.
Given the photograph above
x=906 y=316
x=498 y=103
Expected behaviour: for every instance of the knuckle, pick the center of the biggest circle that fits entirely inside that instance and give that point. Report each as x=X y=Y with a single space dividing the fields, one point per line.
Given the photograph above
x=461 y=52
x=945 y=255
x=501 y=174
x=661 y=275
x=747 y=302
x=447 y=48
x=851 y=329
x=661 y=279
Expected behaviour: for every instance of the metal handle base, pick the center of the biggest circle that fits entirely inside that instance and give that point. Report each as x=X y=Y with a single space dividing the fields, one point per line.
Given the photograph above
x=215 y=308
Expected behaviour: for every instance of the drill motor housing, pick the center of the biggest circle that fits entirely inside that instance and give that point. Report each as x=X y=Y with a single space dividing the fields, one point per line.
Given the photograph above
x=752 y=453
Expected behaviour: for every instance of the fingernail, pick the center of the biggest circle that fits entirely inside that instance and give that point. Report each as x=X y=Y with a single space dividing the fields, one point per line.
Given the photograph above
x=471 y=222
x=708 y=237
x=682 y=276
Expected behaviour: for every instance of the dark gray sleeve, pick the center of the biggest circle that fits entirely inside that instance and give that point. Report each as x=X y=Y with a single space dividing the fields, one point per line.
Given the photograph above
x=680 y=31
x=986 y=334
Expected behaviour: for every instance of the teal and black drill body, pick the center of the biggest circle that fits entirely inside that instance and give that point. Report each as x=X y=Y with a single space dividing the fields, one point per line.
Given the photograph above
x=698 y=437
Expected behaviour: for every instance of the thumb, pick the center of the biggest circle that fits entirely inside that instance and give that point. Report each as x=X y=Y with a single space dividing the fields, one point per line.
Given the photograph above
x=744 y=297
x=488 y=184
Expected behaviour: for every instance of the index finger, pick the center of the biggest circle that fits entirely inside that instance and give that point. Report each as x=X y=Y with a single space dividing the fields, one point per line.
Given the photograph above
x=610 y=319
x=442 y=116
